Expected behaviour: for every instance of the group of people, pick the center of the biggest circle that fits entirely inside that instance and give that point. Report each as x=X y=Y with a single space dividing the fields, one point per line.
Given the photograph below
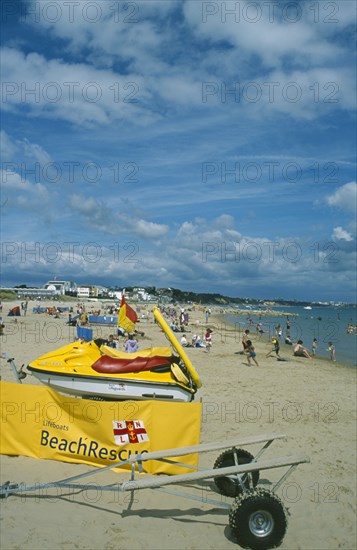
x=131 y=345
x=301 y=351
x=298 y=348
x=177 y=320
x=196 y=341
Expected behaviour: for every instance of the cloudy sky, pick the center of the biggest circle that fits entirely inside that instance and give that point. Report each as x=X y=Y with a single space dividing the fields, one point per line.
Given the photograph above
x=207 y=146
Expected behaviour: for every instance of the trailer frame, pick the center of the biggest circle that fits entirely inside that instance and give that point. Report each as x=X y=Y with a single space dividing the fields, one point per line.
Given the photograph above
x=262 y=516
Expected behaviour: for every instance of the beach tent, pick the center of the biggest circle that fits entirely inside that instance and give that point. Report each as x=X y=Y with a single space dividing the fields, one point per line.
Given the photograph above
x=14 y=312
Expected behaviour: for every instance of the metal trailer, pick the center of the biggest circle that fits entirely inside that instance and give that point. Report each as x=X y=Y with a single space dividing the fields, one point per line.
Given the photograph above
x=257 y=517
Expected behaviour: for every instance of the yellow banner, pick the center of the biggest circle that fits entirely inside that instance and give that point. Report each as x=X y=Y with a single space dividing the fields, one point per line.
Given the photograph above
x=39 y=422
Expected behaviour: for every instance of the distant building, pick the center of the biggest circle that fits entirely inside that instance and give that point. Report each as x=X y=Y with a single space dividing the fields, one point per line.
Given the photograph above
x=91 y=291
x=35 y=293
x=116 y=294
x=141 y=294
x=102 y=290
x=83 y=292
x=61 y=287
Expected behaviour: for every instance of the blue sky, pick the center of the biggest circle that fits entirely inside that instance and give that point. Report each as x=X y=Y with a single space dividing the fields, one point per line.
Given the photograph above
x=207 y=146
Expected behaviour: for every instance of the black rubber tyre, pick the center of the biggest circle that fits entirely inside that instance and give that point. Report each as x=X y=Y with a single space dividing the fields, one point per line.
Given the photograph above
x=258 y=520
x=230 y=486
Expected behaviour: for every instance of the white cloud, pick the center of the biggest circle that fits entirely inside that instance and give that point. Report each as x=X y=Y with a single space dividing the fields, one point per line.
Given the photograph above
x=33 y=150
x=8 y=146
x=101 y=217
x=147 y=230
x=12 y=181
x=129 y=32
x=265 y=31
x=345 y=197
x=75 y=92
x=341 y=234
x=12 y=148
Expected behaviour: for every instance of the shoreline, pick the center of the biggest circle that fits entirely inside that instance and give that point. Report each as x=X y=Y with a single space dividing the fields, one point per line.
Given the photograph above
x=264 y=338
x=227 y=328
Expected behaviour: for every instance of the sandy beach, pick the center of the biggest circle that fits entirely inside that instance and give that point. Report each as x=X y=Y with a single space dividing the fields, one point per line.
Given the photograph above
x=312 y=401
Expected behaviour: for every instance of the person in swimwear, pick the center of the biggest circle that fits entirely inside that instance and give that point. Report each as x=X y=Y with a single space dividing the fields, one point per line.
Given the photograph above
x=251 y=353
x=300 y=351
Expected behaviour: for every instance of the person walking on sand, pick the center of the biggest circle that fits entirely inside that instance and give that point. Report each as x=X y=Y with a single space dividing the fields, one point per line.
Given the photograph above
x=244 y=339
x=208 y=340
x=332 y=350
x=276 y=348
x=251 y=353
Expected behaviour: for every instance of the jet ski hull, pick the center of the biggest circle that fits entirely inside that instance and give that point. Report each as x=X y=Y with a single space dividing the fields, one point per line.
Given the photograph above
x=112 y=388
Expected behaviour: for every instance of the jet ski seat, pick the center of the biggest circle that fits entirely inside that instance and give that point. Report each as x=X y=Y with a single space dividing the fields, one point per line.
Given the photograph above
x=112 y=365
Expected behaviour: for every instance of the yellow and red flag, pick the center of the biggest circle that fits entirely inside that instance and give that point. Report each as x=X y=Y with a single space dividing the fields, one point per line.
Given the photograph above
x=127 y=316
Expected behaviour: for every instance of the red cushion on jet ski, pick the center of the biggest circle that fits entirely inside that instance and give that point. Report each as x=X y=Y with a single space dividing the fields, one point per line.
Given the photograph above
x=112 y=365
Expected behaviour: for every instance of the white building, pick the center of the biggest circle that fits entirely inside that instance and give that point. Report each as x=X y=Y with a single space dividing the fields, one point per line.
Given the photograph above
x=141 y=294
x=60 y=287
x=83 y=291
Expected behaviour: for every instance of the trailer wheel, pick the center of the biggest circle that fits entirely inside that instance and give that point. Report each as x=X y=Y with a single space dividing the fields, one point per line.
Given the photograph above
x=230 y=486
x=258 y=520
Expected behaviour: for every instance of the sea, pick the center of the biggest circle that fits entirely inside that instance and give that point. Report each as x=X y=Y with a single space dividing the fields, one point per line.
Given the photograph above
x=326 y=324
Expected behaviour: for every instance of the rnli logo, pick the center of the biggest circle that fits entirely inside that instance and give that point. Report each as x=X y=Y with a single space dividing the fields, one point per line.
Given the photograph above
x=129 y=431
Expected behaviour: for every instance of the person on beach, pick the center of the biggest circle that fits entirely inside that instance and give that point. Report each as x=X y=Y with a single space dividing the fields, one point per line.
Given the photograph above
x=300 y=351
x=173 y=325
x=184 y=342
x=287 y=331
x=182 y=320
x=196 y=341
x=131 y=345
x=314 y=346
x=111 y=342
x=276 y=348
x=250 y=352
x=332 y=350
x=208 y=340
x=245 y=339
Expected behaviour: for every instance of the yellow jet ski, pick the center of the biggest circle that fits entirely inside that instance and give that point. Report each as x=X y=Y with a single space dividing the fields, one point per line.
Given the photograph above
x=94 y=370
